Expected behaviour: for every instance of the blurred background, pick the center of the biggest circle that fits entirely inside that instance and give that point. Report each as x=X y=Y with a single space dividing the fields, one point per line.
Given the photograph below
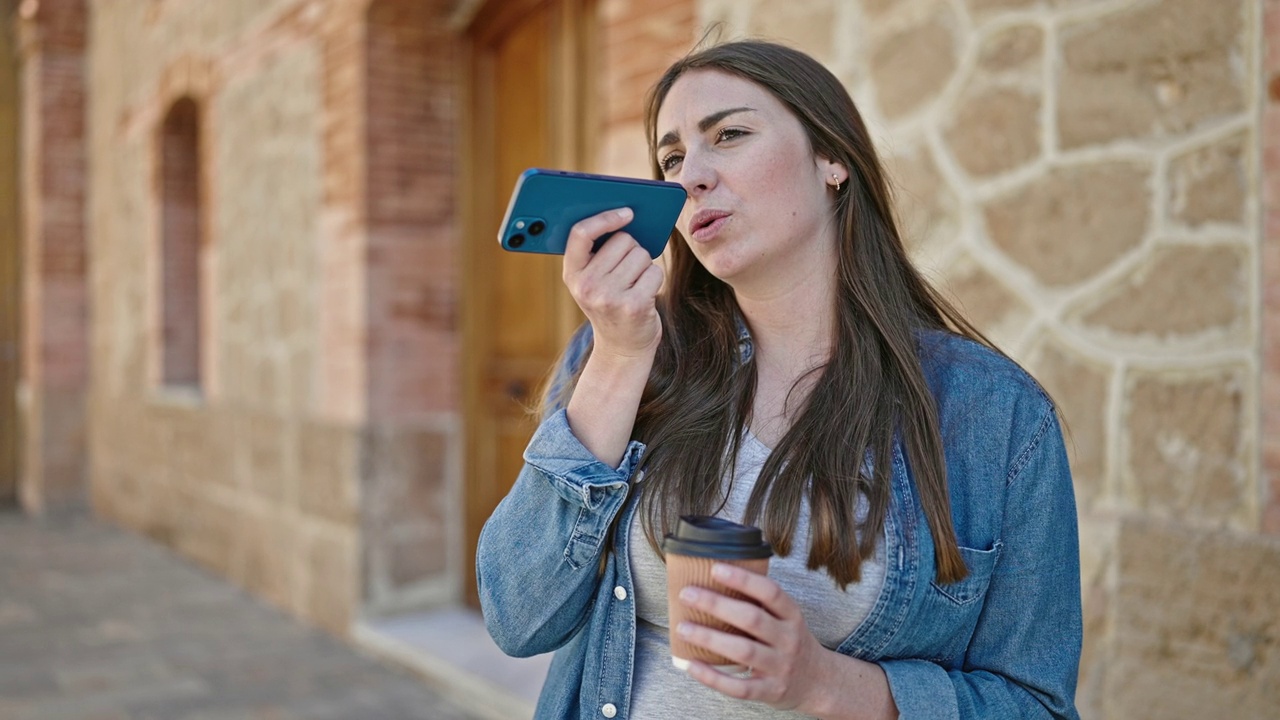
x=253 y=309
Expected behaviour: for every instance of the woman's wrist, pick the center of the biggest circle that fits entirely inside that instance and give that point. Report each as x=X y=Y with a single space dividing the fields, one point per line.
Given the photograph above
x=605 y=401
x=851 y=689
x=616 y=375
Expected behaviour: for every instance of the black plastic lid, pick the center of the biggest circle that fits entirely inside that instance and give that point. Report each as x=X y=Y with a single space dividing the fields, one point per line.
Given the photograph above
x=713 y=537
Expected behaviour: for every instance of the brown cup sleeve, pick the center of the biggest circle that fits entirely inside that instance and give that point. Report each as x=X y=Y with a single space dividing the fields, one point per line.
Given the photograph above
x=685 y=570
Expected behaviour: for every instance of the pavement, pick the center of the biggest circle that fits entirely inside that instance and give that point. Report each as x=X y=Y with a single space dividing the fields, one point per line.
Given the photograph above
x=100 y=624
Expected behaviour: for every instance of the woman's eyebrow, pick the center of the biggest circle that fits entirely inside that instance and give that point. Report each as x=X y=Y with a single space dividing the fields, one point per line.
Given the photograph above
x=673 y=137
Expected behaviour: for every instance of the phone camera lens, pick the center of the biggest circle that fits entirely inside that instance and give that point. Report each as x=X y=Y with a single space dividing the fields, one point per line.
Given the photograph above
x=515 y=241
x=536 y=227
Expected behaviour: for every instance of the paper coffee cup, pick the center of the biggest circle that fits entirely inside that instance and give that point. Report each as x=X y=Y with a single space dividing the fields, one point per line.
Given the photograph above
x=698 y=543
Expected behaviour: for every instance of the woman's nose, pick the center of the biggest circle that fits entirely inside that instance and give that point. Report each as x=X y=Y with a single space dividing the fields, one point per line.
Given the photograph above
x=697 y=175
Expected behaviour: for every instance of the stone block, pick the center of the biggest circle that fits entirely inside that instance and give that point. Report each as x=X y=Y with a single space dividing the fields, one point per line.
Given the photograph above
x=1152 y=69
x=163 y=513
x=328 y=473
x=267 y=555
x=928 y=209
x=1097 y=564
x=270 y=444
x=106 y=494
x=1210 y=185
x=1079 y=386
x=994 y=126
x=1196 y=629
x=417 y=557
x=986 y=301
x=205 y=530
x=1015 y=48
x=805 y=24
x=1181 y=292
x=195 y=444
x=404 y=476
x=1070 y=224
x=984 y=8
x=911 y=66
x=995 y=130
x=62 y=446
x=1184 y=442
x=331 y=581
x=269 y=189
x=875 y=8
x=171 y=434
x=404 y=496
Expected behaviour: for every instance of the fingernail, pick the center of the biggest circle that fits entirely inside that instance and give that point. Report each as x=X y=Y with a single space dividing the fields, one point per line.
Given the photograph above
x=625 y=213
x=721 y=572
x=688 y=594
x=684 y=629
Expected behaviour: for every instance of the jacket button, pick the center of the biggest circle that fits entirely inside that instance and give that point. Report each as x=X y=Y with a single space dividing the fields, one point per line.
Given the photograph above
x=620 y=593
x=608 y=710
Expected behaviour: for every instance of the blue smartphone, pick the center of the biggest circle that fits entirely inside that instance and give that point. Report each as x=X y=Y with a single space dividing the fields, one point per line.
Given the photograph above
x=547 y=203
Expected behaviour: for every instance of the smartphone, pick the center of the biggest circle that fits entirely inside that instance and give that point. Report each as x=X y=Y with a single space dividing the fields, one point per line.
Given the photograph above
x=546 y=203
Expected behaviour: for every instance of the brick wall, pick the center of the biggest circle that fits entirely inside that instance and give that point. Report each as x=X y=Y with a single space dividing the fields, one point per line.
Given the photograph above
x=10 y=241
x=411 y=107
x=638 y=40
x=411 y=95
x=315 y=469
x=341 y=392
x=55 y=353
x=181 y=244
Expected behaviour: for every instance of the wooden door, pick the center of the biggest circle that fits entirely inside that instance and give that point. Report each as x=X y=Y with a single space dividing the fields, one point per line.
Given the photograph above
x=525 y=110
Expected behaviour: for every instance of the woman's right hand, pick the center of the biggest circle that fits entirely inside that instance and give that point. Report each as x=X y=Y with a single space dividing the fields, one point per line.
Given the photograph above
x=616 y=287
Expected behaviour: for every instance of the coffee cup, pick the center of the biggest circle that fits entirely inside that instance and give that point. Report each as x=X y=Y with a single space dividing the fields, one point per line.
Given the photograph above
x=698 y=543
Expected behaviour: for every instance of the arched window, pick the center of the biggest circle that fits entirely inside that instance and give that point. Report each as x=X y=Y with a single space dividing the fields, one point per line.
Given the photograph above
x=181 y=230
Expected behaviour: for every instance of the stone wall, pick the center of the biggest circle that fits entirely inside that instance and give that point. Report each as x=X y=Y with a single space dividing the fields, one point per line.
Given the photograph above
x=258 y=476
x=1270 y=179
x=1083 y=177
x=318 y=462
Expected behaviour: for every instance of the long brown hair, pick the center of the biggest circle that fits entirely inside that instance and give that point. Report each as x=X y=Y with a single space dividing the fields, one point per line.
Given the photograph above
x=700 y=393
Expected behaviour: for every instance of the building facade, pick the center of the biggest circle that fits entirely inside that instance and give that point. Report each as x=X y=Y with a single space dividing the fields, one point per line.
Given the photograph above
x=251 y=305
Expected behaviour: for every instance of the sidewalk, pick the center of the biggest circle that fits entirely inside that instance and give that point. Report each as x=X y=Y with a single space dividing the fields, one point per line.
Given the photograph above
x=97 y=624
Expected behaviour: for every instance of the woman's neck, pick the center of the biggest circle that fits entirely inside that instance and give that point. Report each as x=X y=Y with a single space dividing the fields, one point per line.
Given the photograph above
x=792 y=335
x=792 y=327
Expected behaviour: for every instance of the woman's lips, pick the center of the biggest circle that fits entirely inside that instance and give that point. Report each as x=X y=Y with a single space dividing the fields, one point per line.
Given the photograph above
x=710 y=230
x=707 y=225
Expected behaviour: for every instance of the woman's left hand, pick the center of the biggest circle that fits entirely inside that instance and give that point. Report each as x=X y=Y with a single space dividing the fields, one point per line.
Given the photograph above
x=787 y=662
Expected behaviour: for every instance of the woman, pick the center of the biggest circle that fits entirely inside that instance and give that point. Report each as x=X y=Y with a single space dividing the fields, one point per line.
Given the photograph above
x=793 y=371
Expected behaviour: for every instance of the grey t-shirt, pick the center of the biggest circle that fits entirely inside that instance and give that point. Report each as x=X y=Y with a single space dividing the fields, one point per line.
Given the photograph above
x=659 y=690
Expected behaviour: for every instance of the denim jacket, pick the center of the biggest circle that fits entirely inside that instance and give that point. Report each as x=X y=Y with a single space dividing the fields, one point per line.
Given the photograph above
x=1004 y=642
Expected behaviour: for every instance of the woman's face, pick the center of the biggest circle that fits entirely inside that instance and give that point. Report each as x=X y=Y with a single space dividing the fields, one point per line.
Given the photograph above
x=760 y=200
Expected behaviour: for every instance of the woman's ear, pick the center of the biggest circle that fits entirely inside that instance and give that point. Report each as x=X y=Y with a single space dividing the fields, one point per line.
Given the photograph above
x=835 y=173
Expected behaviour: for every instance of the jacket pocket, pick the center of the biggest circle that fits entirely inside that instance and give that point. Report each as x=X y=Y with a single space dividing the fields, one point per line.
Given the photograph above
x=953 y=609
x=981 y=563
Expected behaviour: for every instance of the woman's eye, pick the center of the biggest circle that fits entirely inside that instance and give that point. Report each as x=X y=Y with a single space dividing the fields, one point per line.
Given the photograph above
x=729 y=134
x=669 y=162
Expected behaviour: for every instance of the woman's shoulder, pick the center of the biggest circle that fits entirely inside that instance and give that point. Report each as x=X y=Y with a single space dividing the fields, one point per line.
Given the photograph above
x=968 y=378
